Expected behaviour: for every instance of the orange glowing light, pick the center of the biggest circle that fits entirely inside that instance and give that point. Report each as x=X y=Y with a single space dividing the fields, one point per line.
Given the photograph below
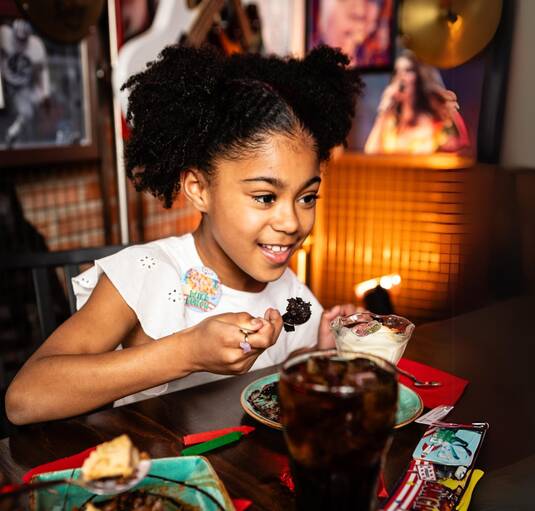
x=302 y=265
x=386 y=282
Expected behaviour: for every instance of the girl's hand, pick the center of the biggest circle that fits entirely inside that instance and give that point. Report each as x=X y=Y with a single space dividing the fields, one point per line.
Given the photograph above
x=325 y=336
x=215 y=342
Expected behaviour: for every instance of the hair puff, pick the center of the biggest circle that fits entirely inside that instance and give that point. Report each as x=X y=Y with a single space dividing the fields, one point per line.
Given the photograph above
x=191 y=106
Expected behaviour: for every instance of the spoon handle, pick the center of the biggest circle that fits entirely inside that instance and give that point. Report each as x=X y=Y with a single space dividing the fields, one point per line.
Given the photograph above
x=418 y=382
x=456 y=425
x=405 y=373
x=17 y=489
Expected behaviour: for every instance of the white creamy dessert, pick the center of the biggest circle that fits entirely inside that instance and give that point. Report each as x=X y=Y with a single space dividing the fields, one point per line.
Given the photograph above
x=369 y=333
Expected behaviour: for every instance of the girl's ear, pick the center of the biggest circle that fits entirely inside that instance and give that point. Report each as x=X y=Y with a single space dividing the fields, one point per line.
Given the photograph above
x=195 y=187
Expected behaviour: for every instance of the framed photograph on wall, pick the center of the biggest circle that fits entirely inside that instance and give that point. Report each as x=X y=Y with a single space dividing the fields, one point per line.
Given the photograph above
x=363 y=29
x=49 y=96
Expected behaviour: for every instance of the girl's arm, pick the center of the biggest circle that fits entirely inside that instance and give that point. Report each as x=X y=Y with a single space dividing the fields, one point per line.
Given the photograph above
x=77 y=370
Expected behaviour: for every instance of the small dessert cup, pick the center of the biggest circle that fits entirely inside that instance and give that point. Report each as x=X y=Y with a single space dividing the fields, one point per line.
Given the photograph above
x=365 y=332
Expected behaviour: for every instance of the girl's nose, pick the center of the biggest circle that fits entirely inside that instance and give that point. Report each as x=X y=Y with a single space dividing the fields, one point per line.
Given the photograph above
x=285 y=219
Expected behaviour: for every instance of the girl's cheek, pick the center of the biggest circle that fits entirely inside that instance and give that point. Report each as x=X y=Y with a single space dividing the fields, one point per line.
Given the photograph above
x=308 y=222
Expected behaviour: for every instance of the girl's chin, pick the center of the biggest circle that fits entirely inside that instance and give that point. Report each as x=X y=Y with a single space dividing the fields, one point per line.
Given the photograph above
x=270 y=275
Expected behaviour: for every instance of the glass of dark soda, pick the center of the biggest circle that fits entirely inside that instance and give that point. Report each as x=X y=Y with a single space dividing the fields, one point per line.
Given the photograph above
x=338 y=412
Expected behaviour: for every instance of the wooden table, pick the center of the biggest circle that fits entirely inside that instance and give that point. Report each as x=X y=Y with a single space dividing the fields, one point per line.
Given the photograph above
x=490 y=347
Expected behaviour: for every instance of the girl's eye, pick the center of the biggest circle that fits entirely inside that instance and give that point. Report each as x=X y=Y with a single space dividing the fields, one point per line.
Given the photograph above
x=309 y=199
x=267 y=198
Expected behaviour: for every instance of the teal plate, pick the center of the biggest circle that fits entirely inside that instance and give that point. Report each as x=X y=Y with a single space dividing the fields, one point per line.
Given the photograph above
x=410 y=404
x=193 y=470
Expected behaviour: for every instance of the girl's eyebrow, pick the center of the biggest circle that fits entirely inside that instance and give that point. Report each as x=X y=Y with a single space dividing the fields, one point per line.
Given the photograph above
x=277 y=183
x=311 y=181
x=273 y=181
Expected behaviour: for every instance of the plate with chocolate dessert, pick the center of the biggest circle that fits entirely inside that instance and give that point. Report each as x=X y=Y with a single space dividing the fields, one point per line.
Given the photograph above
x=260 y=400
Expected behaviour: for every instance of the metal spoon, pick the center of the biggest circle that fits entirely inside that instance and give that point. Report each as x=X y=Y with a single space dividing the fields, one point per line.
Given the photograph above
x=456 y=425
x=416 y=381
x=108 y=486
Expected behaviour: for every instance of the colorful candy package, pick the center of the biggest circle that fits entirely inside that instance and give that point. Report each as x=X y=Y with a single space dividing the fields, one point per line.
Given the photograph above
x=441 y=476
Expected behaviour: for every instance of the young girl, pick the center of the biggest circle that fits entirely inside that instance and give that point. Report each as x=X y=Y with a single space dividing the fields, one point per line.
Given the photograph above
x=243 y=138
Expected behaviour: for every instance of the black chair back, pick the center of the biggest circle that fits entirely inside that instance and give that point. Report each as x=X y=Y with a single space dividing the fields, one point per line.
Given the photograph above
x=40 y=264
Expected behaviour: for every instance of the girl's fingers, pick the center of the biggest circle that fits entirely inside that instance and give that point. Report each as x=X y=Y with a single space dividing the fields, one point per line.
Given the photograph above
x=347 y=309
x=265 y=336
x=242 y=320
x=259 y=341
x=275 y=318
x=252 y=335
x=332 y=313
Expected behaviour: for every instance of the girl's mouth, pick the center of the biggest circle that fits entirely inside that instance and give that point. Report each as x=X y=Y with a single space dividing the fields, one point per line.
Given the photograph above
x=278 y=254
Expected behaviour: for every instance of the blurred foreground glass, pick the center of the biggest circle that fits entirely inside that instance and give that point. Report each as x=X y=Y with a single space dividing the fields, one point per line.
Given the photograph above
x=365 y=332
x=338 y=415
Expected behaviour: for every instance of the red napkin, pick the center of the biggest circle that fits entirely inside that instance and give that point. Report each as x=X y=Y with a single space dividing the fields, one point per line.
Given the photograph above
x=74 y=461
x=447 y=394
x=241 y=504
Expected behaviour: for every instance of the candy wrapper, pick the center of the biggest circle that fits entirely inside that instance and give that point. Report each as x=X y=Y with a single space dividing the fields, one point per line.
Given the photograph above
x=365 y=332
x=441 y=476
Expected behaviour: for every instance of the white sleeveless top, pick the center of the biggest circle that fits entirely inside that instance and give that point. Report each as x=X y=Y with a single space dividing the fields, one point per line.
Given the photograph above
x=148 y=277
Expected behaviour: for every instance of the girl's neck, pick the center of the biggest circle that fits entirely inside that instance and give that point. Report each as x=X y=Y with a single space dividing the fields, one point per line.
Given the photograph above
x=213 y=256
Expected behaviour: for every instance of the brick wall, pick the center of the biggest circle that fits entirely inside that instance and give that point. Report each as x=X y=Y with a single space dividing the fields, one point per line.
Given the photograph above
x=65 y=205
x=69 y=206
x=160 y=223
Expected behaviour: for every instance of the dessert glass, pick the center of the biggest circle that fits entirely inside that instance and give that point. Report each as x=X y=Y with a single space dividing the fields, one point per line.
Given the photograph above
x=365 y=332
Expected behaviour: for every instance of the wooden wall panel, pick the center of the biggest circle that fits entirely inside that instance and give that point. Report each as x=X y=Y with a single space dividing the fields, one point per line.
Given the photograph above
x=419 y=217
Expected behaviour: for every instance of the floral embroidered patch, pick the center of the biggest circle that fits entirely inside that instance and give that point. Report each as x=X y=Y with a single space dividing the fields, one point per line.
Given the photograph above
x=201 y=289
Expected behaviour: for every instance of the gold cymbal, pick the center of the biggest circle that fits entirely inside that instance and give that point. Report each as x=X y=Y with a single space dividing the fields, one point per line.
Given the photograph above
x=447 y=33
x=63 y=21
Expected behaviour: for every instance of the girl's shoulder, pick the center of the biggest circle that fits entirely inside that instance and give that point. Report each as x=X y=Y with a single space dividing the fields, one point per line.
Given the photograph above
x=148 y=278
x=175 y=252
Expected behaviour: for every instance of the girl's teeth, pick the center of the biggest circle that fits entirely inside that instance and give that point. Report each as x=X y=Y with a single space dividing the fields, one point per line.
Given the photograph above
x=276 y=248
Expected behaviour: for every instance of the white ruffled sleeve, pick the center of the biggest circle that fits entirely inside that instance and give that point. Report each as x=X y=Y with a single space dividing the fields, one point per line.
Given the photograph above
x=149 y=282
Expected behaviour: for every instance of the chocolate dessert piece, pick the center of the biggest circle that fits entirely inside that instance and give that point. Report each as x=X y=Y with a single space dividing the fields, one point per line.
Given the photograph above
x=266 y=401
x=297 y=312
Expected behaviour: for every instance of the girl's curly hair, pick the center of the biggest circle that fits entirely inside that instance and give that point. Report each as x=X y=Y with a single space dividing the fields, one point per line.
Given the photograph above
x=192 y=106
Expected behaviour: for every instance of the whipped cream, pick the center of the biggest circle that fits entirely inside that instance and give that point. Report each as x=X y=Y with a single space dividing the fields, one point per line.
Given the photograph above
x=373 y=337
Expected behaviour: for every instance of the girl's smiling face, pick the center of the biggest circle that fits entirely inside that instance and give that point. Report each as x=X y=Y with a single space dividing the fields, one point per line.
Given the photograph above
x=257 y=211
